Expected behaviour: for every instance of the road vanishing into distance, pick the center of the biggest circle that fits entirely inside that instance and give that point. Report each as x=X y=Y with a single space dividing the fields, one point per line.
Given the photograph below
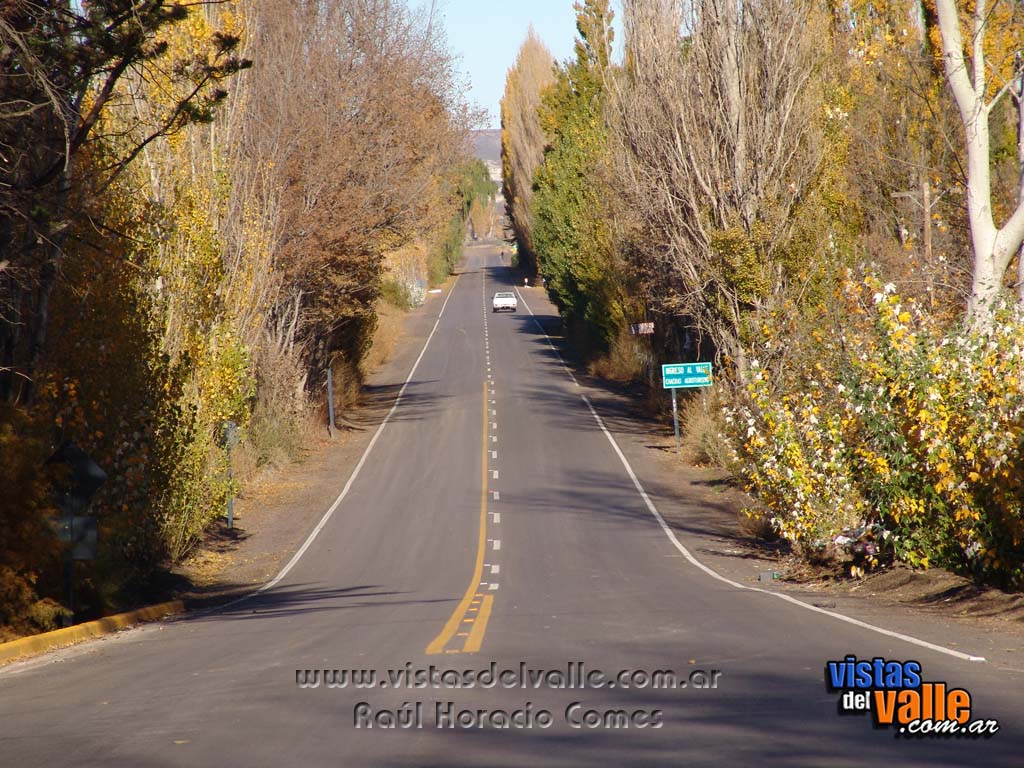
x=492 y=525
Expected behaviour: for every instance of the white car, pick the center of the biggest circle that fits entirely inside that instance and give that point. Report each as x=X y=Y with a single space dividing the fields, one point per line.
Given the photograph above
x=504 y=300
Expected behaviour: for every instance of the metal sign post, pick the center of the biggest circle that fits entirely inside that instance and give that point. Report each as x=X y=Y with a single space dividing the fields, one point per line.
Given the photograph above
x=230 y=438
x=675 y=419
x=330 y=401
x=684 y=376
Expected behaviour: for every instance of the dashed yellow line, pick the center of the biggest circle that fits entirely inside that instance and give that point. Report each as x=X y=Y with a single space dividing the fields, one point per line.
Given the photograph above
x=459 y=617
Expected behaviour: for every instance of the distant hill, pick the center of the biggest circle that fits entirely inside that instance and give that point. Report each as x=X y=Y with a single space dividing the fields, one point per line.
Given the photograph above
x=487 y=146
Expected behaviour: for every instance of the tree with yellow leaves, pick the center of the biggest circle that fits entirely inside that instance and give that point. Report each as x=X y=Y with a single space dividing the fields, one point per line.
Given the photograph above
x=62 y=63
x=522 y=138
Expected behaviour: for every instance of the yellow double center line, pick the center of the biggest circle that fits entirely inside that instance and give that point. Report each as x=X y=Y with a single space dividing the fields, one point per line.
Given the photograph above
x=474 y=609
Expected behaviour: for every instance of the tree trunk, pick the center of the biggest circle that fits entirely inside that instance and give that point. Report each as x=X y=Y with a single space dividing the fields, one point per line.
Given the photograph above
x=985 y=286
x=1020 y=171
x=730 y=20
x=993 y=247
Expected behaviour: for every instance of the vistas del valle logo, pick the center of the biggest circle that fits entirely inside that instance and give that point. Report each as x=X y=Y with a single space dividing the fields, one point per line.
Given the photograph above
x=898 y=698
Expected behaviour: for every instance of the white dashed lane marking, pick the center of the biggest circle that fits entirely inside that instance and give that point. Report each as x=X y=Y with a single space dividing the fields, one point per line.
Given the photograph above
x=492 y=411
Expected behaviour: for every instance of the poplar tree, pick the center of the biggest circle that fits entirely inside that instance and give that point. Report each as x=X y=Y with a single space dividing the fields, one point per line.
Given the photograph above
x=572 y=227
x=522 y=138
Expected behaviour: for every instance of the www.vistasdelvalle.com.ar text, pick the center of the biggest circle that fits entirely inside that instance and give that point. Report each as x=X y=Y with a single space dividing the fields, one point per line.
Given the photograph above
x=574 y=676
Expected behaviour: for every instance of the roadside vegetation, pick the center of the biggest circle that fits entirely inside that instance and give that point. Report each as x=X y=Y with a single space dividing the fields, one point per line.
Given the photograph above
x=202 y=207
x=825 y=200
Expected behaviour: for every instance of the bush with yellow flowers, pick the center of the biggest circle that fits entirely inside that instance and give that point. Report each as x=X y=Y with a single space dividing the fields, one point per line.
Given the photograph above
x=913 y=425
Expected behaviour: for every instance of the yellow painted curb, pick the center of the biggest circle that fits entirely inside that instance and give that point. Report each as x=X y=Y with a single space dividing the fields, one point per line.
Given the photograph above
x=47 y=641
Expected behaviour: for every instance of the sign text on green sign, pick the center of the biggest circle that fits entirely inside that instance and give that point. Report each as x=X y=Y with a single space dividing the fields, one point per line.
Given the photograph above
x=686 y=375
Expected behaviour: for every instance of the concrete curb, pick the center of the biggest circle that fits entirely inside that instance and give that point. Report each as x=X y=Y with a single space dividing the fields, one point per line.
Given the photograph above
x=48 y=641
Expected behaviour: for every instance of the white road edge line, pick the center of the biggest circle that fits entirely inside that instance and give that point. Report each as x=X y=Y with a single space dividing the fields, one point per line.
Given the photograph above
x=710 y=572
x=355 y=472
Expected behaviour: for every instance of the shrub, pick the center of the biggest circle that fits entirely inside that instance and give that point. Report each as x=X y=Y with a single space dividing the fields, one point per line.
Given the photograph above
x=913 y=425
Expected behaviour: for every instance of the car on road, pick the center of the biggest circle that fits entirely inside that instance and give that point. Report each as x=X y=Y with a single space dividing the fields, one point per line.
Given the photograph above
x=504 y=300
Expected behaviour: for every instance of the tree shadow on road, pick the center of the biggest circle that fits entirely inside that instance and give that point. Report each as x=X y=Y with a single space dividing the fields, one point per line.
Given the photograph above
x=243 y=602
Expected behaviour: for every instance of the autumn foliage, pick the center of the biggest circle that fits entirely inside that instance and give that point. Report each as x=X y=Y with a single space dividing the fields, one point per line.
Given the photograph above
x=825 y=200
x=200 y=232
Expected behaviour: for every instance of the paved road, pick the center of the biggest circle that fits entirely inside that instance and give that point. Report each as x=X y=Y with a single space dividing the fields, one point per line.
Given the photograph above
x=492 y=521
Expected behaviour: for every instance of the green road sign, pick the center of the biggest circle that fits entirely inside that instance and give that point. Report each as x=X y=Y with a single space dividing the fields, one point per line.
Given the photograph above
x=686 y=375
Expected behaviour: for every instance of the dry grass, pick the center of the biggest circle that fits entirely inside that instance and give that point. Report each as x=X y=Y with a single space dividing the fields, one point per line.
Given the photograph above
x=756 y=525
x=348 y=387
x=705 y=445
x=390 y=320
x=285 y=422
x=703 y=432
x=273 y=440
x=627 y=359
x=282 y=421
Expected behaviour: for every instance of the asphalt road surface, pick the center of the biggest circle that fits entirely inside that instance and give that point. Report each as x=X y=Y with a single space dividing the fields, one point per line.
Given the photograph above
x=491 y=522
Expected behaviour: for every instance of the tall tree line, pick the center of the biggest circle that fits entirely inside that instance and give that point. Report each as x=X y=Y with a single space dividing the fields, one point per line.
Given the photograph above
x=197 y=205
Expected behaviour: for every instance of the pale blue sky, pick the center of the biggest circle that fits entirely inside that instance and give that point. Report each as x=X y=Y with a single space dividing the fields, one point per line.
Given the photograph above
x=487 y=35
